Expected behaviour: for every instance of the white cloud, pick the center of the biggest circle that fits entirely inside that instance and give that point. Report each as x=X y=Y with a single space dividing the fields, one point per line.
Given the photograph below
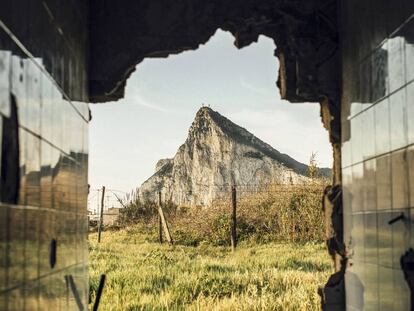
x=134 y=97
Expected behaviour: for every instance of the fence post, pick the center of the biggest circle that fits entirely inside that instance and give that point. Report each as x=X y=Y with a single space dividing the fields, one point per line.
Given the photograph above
x=163 y=222
x=159 y=219
x=101 y=215
x=233 y=218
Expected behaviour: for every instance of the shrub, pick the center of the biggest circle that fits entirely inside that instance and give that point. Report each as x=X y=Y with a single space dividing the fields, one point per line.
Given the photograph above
x=272 y=213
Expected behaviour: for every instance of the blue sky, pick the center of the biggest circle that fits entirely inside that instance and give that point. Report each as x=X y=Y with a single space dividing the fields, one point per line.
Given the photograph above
x=129 y=136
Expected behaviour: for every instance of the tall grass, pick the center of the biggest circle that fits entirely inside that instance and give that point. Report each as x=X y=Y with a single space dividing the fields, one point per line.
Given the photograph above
x=142 y=275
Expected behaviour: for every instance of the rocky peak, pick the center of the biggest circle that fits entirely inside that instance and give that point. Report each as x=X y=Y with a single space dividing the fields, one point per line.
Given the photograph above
x=217 y=153
x=207 y=120
x=203 y=123
x=162 y=163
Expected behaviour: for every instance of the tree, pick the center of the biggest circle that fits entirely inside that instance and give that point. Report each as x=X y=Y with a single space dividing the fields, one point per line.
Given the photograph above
x=313 y=167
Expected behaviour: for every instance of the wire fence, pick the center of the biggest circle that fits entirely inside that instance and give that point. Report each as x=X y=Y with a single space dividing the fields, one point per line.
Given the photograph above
x=113 y=199
x=270 y=211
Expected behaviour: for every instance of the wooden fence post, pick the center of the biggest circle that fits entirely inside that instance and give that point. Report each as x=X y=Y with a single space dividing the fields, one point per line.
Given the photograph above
x=164 y=224
x=101 y=215
x=160 y=237
x=233 y=218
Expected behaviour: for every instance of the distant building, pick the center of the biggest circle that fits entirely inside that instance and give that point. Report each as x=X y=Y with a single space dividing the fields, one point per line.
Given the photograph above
x=111 y=216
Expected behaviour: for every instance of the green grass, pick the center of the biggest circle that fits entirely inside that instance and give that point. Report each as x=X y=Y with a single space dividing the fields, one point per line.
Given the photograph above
x=142 y=275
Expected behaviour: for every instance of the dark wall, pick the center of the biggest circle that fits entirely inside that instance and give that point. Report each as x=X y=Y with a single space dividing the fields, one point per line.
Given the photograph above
x=44 y=154
x=377 y=150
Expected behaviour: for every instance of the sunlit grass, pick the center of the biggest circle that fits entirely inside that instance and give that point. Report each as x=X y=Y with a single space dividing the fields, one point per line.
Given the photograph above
x=142 y=275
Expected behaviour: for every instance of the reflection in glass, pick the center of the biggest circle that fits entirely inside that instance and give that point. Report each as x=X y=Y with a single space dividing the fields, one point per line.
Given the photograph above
x=52 y=138
x=396 y=63
x=382 y=127
x=383 y=182
x=410 y=111
x=379 y=73
x=399 y=179
x=398 y=114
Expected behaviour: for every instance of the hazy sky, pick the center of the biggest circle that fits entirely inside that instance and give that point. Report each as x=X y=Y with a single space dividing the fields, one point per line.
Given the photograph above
x=128 y=137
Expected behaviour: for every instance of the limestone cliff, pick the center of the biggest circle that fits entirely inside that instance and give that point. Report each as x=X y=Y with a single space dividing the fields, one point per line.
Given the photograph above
x=216 y=154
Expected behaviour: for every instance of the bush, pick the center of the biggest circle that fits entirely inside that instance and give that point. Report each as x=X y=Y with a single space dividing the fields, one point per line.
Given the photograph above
x=274 y=213
x=137 y=211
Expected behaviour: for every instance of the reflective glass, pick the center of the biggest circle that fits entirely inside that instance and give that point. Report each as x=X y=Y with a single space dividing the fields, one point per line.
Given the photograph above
x=396 y=64
x=383 y=182
x=386 y=288
x=52 y=160
x=380 y=72
x=382 y=127
x=369 y=189
x=384 y=239
x=398 y=114
x=371 y=286
x=32 y=83
x=400 y=237
x=399 y=167
x=32 y=170
x=356 y=137
x=374 y=278
x=5 y=67
x=3 y=245
x=401 y=298
x=16 y=246
x=410 y=160
x=357 y=237
x=46 y=175
x=358 y=187
x=368 y=132
x=410 y=112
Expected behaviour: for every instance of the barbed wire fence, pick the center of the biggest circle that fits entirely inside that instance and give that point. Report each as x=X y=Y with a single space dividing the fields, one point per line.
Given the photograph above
x=224 y=197
x=113 y=199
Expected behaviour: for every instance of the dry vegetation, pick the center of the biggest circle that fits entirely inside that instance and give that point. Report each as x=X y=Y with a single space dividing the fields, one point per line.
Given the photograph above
x=278 y=265
x=273 y=213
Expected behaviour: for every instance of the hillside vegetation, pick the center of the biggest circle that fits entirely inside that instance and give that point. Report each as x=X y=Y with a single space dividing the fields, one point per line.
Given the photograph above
x=272 y=213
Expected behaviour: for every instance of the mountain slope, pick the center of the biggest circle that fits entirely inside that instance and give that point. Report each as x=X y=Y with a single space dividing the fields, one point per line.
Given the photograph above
x=217 y=154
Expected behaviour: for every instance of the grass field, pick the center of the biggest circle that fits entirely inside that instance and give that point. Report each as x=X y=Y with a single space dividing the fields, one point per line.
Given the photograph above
x=143 y=275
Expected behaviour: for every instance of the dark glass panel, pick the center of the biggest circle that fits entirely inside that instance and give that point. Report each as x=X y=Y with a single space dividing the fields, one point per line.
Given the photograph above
x=16 y=259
